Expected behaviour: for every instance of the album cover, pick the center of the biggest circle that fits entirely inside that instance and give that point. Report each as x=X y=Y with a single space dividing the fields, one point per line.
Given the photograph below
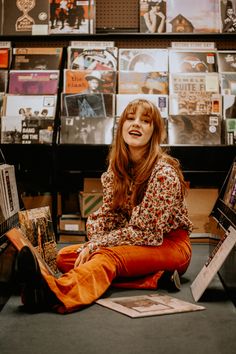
x=88 y=105
x=2 y=102
x=25 y=17
x=194 y=130
x=11 y=130
x=89 y=81
x=230 y=130
x=3 y=80
x=92 y=58
x=29 y=105
x=71 y=17
x=192 y=61
x=86 y=130
x=228 y=16
x=226 y=60
x=148 y=305
x=228 y=83
x=34 y=82
x=184 y=16
x=18 y=130
x=152 y=16
x=143 y=59
x=36 y=58
x=229 y=106
x=132 y=82
x=9 y=190
x=5 y=56
x=196 y=94
x=161 y=101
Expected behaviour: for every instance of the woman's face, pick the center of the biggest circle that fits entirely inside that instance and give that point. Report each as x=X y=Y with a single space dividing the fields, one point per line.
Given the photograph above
x=137 y=129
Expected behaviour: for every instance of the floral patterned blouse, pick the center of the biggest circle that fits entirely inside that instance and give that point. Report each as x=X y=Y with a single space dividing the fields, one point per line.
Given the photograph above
x=161 y=210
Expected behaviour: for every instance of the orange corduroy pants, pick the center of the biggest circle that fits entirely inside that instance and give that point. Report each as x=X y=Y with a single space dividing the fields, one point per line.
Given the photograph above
x=123 y=266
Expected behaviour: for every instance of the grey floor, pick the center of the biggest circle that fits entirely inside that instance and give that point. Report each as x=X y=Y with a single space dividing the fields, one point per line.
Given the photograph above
x=99 y=330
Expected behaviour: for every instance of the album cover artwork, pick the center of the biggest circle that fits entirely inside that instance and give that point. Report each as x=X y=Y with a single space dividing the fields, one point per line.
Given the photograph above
x=229 y=106
x=132 y=82
x=71 y=17
x=23 y=17
x=86 y=130
x=18 y=130
x=89 y=81
x=36 y=58
x=194 y=94
x=34 y=82
x=92 y=58
x=184 y=16
x=226 y=60
x=2 y=100
x=194 y=130
x=152 y=16
x=143 y=60
x=88 y=105
x=192 y=61
x=5 y=55
x=230 y=193
x=29 y=105
x=3 y=80
x=161 y=101
x=228 y=83
x=228 y=16
x=11 y=130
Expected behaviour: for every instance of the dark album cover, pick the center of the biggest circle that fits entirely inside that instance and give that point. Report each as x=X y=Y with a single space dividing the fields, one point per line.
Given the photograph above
x=152 y=16
x=132 y=82
x=194 y=130
x=36 y=58
x=230 y=192
x=25 y=17
x=88 y=105
x=86 y=130
x=92 y=58
x=226 y=60
x=26 y=82
x=192 y=61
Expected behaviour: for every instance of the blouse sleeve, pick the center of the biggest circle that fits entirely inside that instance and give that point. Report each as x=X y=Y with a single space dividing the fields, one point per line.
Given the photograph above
x=160 y=211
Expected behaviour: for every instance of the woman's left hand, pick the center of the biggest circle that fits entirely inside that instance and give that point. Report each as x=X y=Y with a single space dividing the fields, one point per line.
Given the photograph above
x=82 y=257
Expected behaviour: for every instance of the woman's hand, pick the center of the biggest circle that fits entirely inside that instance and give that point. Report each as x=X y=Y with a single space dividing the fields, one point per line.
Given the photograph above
x=82 y=257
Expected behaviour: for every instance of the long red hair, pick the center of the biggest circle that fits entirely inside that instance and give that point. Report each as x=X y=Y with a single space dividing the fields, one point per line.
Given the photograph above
x=129 y=177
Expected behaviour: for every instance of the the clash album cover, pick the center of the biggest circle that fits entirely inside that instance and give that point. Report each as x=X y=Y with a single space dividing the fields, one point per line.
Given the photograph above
x=25 y=17
x=89 y=81
x=27 y=82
